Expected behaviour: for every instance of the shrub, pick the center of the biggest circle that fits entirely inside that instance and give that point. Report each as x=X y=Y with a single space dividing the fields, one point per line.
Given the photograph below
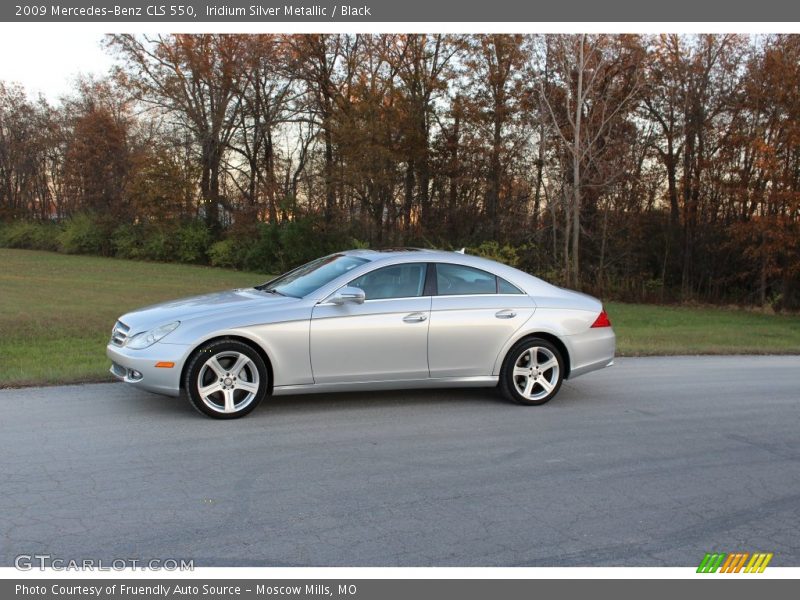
x=279 y=247
x=493 y=250
x=128 y=241
x=82 y=235
x=33 y=236
x=158 y=245
x=225 y=253
x=193 y=240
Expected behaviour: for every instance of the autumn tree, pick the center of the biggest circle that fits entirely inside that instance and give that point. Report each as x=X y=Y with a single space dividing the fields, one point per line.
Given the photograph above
x=195 y=78
x=499 y=92
x=314 y=61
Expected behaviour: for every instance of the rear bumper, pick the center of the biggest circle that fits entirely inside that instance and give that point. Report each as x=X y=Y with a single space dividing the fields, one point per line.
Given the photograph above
x=591 y=350
x=138 y=367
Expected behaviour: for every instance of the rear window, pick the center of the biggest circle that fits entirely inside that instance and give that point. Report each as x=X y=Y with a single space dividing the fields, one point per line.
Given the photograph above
x=503 y=287
x=458 y=280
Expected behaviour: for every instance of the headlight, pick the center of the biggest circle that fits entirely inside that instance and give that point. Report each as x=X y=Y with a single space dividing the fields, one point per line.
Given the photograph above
x=148 y=338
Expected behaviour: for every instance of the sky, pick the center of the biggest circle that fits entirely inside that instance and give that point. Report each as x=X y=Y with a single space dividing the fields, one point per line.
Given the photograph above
x=49 y=63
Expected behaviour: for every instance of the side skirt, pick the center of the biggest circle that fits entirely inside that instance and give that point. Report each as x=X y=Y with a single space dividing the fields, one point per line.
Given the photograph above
x=401 y=384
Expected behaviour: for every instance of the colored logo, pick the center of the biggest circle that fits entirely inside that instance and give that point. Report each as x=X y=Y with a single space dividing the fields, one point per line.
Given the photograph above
x=735 y=562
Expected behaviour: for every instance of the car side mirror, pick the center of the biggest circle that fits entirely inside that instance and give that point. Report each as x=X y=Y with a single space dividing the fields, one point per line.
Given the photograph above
x=348 y=294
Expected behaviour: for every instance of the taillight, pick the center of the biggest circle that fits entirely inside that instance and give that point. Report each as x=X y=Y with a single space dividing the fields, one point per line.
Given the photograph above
x=602 y=320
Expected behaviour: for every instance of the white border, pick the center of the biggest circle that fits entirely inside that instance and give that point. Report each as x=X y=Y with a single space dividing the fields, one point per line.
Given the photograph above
x=343 y=573
x=352 y=573
x=410 y=27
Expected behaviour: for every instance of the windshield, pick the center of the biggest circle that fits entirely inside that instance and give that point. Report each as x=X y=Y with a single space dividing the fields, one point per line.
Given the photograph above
x=312 y=276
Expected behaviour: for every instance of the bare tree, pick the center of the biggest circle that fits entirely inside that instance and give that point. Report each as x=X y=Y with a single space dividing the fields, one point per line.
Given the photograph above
x=598 y=80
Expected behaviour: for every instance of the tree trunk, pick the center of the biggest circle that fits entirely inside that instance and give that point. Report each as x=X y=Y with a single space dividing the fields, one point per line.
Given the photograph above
x=408 y=201
x=576 y=171
x=330 y=192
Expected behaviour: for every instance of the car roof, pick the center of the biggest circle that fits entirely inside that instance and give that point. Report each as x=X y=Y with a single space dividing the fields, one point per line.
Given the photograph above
x=546 y=294
x=402 y=252
x=404 y=255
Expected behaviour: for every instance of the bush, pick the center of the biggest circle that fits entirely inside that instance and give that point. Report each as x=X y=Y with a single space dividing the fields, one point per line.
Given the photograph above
x=82 y=235
x=226 y=254
x=494 y=251
x=128 y=241
x=279 y=247
x=255 y=246
x=188 y=243
x=158 y=245
x=33 y=236
x=193 y=240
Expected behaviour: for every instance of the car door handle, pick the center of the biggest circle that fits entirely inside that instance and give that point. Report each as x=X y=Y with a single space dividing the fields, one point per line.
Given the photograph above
x=415 y=318
x=505 y=314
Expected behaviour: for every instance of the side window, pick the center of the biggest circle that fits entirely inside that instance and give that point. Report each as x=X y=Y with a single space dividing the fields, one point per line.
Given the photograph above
x=397 y=281
x=503 y=287
x=457 y=280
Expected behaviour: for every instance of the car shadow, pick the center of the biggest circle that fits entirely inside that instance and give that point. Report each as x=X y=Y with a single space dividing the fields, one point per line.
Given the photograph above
x=299 y=404
x=380 y=399
x=311 y=403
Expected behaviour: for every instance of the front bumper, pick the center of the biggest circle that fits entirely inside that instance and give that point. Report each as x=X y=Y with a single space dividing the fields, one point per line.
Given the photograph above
x=138 y=367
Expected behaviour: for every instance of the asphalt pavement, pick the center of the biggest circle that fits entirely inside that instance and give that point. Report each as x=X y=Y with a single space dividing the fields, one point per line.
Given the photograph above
x=653 y=462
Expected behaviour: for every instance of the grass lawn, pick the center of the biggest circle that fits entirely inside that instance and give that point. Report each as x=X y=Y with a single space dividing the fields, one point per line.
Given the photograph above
x=57 y=311
x=56 y=314
x=647 y=329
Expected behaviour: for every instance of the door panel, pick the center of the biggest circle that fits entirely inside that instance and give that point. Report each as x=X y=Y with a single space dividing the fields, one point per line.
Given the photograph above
x=379 y=340
x=467 y=332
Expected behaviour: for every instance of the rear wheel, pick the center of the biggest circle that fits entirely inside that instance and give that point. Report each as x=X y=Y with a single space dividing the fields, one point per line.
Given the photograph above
x=532 y=372
x=226 y=379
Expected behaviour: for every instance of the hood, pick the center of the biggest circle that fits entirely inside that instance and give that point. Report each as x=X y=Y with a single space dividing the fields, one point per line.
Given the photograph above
x=217 y=303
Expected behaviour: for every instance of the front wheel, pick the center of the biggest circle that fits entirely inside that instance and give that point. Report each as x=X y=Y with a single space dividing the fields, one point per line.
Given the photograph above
x=226 y=379
x=532 y=372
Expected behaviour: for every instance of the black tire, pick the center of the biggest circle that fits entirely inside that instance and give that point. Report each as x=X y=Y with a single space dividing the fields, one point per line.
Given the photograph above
x=509 y=381
x=253 y=373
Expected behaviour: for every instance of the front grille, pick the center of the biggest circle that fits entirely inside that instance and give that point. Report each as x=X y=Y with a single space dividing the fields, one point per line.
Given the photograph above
x=119 y=335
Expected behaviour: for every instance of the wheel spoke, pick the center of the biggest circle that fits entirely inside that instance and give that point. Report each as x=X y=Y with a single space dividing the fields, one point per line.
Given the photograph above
x=210 y=389
x=239 y=365
x=533 y=353
x=548 y=364
x=247 y=386
x=528 y=387
x=229 y=402
x=548 y=387
x=214 y=365
x=521 y=371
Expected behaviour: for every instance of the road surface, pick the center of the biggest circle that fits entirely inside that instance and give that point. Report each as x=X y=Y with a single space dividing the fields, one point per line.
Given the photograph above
x=652 y=462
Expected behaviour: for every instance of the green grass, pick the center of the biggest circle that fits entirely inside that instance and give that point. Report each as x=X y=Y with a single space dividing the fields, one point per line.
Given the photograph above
x=647 y=329
x=56 y=313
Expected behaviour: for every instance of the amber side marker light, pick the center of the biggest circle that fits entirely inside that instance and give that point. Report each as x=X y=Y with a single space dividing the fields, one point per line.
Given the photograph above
x=602 y=320
x=165 y=365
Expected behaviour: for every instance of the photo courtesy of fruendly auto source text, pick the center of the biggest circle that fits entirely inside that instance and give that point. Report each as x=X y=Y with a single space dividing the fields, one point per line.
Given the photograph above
x=365 y=300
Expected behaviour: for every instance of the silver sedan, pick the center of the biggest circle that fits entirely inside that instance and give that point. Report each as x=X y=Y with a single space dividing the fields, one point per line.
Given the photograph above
x=366 y=320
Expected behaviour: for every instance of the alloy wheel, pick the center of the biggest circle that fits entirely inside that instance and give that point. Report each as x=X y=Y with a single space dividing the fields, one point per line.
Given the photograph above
x=536 y=373
x=228 y=382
